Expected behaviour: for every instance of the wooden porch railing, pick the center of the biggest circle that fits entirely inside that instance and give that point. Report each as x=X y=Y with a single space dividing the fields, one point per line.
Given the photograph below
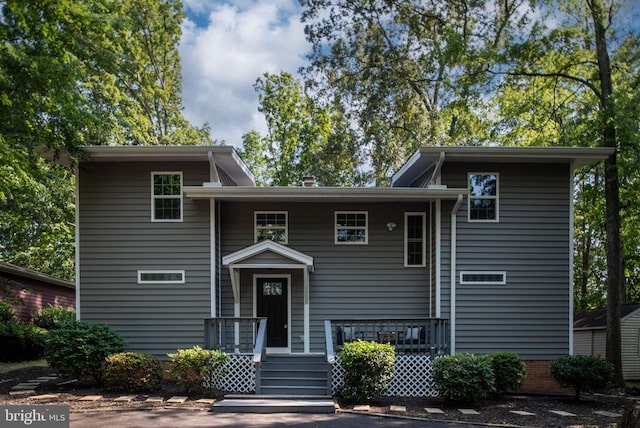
x=408 y=336
x=243 y=335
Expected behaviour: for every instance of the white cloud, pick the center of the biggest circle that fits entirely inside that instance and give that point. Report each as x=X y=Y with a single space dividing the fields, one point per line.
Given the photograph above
x=224 y=49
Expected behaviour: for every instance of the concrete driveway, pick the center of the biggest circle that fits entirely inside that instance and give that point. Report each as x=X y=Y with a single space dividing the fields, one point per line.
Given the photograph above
x=200 y=418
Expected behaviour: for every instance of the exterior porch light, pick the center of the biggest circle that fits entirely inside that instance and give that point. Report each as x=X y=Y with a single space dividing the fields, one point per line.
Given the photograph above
x=391 y=226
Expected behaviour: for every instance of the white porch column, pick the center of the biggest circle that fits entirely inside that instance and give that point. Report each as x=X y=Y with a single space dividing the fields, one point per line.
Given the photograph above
x=235 y=285
x=307 y=338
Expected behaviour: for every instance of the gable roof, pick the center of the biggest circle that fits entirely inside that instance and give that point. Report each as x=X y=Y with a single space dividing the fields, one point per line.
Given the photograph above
x=427 y=157
x=597 y=318
x=268 y=246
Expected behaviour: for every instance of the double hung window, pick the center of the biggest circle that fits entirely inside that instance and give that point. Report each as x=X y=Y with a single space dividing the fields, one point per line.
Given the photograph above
x=166 y=196
x=483 y=197
x=271 y=225
x=351 y=227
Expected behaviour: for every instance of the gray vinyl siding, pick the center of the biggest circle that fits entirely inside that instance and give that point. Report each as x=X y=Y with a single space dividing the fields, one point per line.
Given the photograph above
x=590 y=342
x=631 y=346
x=530 y=314
x=118 y=238
x=349 y=281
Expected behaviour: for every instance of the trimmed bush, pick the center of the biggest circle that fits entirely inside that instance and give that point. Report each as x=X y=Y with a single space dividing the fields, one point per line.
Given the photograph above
x=7 y=313
x=53 y=317
x=582 y=373
x=21 y=342
x=132 y=372
x=463 y=378
x=368 y=368
x=508 y=370
x=80 y=349
x=191 y=365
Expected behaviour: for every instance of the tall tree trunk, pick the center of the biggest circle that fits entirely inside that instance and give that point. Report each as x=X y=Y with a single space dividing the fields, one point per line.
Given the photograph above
x=615 y=272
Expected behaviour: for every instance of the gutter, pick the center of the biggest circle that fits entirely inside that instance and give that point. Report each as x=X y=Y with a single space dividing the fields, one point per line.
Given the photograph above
x=452 y=321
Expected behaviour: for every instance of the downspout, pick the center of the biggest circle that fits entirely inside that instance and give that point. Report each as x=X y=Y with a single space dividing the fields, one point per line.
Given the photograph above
x=219 y=262
x=452 y=322
x=77 y=239
x=435 y=177
x=571 y=250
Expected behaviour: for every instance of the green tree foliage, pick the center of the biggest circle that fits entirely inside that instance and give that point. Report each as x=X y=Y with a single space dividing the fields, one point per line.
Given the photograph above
x=303 y=138
x=408 y=72
x=76 y=73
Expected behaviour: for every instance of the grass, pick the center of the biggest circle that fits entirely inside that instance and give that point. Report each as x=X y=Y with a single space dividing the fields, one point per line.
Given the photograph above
x=9 y=367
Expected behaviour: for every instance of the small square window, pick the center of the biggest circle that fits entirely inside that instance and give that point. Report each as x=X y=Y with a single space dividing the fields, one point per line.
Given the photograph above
x=166 y=196
x=271 y=225
x=351 y=227
x=483 y=197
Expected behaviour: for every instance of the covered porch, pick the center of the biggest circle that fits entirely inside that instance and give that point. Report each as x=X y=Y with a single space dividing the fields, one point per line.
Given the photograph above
x=417 y=342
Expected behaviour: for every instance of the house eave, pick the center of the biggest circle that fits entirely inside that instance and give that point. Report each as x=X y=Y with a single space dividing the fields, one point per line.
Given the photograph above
x=226 y=157
x=31 y=274
x=425 y=157
x=323 y=194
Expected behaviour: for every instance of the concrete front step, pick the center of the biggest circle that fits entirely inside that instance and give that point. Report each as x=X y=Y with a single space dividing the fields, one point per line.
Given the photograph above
x=274 y=404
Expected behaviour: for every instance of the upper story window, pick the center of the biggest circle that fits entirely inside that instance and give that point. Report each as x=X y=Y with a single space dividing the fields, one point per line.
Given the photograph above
x=415 y=238
x=271 y=225
x=483 y=197
x=351 y=227
x=166 y=196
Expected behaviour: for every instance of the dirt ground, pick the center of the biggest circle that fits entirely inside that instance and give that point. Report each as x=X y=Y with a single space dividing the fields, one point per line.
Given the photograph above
x=491 y=411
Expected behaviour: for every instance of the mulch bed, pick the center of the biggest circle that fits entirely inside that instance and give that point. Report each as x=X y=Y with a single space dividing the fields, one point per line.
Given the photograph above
x=495 y=411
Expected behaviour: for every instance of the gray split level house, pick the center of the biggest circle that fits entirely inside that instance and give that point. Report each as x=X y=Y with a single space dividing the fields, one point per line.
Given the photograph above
x=469 y=250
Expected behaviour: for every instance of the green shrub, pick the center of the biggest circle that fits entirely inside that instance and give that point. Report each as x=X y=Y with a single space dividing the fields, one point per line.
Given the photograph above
x=463 y=378
x=53 y=317
x=191 y=365
x=80 y=349
x=21 y=342
x=368 y=368
x=7 y=313
x=132 y=372
x=508 y=370
x=582 y=373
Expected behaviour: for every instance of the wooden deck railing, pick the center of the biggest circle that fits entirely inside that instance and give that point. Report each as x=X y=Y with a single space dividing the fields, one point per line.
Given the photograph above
x=408 y=336
x=235 y=335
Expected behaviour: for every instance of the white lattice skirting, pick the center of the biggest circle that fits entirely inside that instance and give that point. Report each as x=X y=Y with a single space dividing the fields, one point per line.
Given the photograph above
x=239 y=375
x=413 y=377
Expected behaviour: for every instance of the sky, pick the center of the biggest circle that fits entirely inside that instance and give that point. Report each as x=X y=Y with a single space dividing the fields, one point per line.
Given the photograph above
x=225 y=47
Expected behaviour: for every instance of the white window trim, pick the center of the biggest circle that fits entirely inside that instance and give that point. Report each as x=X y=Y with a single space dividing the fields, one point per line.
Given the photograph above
x=142 y=272
x=286 y=225
x=366 y=227
x=406 y=238
x=154 y=197
x=483 y=272
x=496 y=198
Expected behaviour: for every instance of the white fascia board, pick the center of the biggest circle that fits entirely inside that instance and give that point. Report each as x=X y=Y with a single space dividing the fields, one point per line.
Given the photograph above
x=263 y=246
x=311 y=194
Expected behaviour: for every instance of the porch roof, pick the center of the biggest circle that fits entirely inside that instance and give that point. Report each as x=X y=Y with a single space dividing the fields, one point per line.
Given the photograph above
x=236 y=258
x=324 y=194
